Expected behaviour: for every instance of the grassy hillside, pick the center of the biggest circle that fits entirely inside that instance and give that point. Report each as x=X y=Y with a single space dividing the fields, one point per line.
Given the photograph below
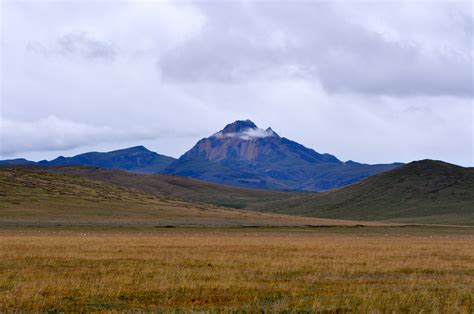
x=30 y=197
x=179 y=188
x=421 y=192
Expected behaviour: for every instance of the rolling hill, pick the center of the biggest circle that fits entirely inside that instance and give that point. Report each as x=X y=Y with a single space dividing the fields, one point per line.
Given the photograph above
x=427 y=192
x=420 y=192
x=424 y=191
x=32 y=197
x=175 y=187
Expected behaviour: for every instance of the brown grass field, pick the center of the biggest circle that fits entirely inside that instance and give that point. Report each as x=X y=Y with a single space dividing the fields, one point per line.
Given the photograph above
x=338 y=269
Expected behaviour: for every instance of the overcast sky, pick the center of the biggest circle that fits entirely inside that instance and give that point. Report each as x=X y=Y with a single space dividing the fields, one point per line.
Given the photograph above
x=374 y=82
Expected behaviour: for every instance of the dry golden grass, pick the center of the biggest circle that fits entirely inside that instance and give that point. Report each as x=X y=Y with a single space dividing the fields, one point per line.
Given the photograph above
x=227 y=269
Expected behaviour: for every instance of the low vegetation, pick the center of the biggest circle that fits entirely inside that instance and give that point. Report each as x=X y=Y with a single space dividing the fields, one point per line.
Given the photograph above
x=31 y=197
x=310 y=269
x=426 y=192
x=429 y=192
x=175 y=187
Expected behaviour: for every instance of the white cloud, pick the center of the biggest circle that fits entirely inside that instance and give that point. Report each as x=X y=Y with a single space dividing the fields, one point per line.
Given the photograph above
x=247 y=134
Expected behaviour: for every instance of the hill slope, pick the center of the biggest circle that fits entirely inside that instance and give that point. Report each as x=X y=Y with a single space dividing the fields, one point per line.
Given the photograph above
x=244 y=155
x=424 y=191
x=30 y=197
x=179 y=188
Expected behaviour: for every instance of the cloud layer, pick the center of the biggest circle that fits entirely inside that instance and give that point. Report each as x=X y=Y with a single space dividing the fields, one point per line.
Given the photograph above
x=333 y=44
x=372 y=82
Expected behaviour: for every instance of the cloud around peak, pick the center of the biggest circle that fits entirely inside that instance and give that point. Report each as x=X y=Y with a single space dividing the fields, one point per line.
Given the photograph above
x=247 y=134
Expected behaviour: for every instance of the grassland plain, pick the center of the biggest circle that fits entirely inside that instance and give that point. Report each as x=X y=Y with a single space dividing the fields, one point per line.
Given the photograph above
x=340 y=269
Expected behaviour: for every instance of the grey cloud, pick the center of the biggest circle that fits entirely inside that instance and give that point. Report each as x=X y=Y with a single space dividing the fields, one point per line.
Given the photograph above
x=85 y=46
x=77 y=44
x=56 y=134
x=53 y=133
x=379 y=67
x=319 y=42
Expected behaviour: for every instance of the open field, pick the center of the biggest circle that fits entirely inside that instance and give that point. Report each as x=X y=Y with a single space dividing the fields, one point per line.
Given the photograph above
x=374 y=269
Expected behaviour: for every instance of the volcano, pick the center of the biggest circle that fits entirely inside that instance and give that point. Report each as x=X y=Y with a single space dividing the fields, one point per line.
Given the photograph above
x=245 y=155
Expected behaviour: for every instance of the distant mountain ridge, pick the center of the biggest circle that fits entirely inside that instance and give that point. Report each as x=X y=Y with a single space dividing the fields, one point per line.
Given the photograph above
x=244 y=155
x=134 y=159
x=17 y=161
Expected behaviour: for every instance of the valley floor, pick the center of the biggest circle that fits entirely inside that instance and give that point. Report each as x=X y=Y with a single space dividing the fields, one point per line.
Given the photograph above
x=362 y=269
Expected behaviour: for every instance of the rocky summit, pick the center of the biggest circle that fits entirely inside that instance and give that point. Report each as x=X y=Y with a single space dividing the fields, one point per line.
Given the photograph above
x=243 y=154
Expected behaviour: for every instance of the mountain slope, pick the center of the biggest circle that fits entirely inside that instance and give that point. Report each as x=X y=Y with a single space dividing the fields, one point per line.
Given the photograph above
x=32 y=197
x=135 y=159
x=424 y=191
x=243 y=155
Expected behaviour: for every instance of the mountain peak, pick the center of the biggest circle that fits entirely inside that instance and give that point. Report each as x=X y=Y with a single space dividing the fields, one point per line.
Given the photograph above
x=270 y=131
x=245 y=155
x=239 y=126
x=136 y=149
x=244 y=130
